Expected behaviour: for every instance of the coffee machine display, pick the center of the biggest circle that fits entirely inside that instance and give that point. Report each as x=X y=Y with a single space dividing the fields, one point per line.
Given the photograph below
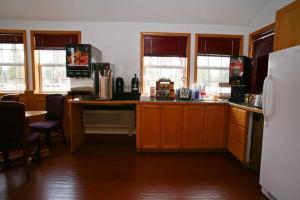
x=103 y=81
x=239 y=78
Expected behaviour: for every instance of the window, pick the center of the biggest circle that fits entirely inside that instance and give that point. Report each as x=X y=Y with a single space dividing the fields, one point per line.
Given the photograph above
x=12 y=61
x=261 y=44
x=50 y=59
x=213 y=58
x=164 y=55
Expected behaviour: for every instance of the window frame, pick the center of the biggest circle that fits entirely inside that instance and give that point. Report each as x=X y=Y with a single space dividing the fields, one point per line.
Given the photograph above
x=36 y=71
x=254 y=34
x=172 y=34
x=23 y=32
x=197 y=35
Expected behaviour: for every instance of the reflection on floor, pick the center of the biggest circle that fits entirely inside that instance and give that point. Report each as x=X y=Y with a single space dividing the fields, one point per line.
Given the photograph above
x=109 y=168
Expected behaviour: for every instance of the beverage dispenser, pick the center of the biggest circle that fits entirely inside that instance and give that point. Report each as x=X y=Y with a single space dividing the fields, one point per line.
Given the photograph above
x=239 y=77
x=103 y=81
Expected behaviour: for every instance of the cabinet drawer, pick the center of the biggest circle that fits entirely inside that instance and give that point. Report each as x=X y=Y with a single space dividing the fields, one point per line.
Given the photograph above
x=238 y=116
x=237 y=132
x=237 y=149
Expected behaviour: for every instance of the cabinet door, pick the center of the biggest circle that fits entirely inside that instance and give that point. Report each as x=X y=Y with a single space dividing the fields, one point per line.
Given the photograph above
x=192 y=136
x=172 y=124
x=148 y=126
x=287 y=26
x=214 y=127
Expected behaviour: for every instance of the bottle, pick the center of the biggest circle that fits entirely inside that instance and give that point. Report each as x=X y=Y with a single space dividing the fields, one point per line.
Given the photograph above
x=135 y=84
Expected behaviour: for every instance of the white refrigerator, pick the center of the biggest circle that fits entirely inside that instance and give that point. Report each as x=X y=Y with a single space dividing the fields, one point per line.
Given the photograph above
x=280 y=161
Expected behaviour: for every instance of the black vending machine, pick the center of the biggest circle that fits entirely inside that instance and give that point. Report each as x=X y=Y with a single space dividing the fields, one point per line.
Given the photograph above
x=239 y=78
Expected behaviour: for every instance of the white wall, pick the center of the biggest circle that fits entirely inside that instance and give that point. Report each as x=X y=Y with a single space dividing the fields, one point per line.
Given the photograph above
x=120 y=42
x=267 y=14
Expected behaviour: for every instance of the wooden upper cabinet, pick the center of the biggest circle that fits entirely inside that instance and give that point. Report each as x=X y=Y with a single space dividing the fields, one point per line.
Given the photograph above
x=148 y=126
x=192 y=137
x=172 y=124
x=287 y=26
x=214 y=127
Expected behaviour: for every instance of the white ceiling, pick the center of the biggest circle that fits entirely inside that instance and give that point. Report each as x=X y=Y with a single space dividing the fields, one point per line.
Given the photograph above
x=214 y=12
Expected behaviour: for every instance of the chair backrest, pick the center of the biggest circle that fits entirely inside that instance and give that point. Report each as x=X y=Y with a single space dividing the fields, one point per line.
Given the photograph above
x=55 y=106
x=12 y=121
x=10 y=97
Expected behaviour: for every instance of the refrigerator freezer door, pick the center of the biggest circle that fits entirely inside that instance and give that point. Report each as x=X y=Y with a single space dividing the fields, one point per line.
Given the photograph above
x=280 y=162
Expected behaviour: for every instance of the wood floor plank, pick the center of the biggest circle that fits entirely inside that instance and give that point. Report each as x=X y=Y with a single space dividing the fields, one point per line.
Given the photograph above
x=109 y=168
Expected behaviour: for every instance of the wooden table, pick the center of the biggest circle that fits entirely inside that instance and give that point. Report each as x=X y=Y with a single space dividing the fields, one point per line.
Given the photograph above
x=33 y=113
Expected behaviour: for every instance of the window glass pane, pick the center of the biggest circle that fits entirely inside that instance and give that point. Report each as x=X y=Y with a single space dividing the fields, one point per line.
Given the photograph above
x=225 y=61
x=12 y=72
x=214 y=75
x=225 y=76
x=8 y=56
x=202 y=61
x=46 y=57
x=53 y=69
x=19 y=56
x=214 y=61
x=8 y=46
x=202 y=75
x=20 y=46
x=155 y=68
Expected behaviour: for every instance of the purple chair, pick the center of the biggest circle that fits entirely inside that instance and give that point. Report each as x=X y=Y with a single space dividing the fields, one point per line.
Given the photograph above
x=10 y=97
x=54 y=118
x=15 y=133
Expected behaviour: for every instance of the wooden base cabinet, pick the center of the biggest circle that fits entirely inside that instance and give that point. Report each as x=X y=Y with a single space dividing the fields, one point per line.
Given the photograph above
x=148 y=126
x=192 y=137
x=171 y=127
x=180 y=127
x=214 y=127
x=238 y=132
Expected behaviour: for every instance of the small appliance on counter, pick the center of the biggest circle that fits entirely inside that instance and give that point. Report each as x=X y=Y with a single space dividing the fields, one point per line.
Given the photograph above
x=79 y=60
x=164 y=89
x=103 y=81
x=239 y=78
x=119 y=85
x=121 y=95
x=135 y=84
x=184 y=94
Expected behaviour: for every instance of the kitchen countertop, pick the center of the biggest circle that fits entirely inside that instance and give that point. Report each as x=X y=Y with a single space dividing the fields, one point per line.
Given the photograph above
x=148 y=100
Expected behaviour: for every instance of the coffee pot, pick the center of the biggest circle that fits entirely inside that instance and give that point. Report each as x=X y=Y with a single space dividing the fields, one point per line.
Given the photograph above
x=258 y=100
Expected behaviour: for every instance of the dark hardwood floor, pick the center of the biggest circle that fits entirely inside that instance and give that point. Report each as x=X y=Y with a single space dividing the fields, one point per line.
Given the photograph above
x=110 y=168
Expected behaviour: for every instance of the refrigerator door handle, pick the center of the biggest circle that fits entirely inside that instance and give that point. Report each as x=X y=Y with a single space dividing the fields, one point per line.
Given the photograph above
x=267 y=98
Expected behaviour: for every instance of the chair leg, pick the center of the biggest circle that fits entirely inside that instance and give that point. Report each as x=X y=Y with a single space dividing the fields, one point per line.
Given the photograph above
x=27 y=161
x=48 y=140
x=38 y=152
x=6 y=159
x=63 y=134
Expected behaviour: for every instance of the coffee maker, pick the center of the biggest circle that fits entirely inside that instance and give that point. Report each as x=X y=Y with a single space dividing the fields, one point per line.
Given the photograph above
x=102 y=81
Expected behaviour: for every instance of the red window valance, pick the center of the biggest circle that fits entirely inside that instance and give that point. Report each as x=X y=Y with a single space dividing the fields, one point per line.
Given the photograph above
x=11 y=38
x=218 y=46
x=165 y=46
x=46 y=41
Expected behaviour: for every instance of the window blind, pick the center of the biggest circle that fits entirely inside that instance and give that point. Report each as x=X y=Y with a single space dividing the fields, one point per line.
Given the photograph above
x=46 y=41
x=11 y=38
x=165 y=46
x=218 y=46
